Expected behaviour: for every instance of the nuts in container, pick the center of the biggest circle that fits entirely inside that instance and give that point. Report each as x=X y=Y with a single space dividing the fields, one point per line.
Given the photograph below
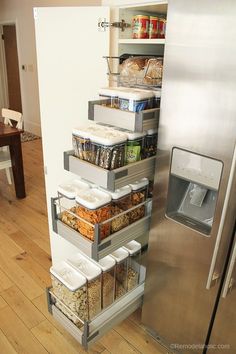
x=134 y=249
x=93 y=207
x=70 y=290
x=138 y=195
x=107 y=265
x=92 y=273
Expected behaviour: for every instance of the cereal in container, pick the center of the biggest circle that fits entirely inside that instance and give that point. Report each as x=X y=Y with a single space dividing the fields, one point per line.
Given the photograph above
x=93 y=275
x=134 y=263
x=70 y=290
x=138 y=195
x=93 y=207
x=135 y=100
x=107 y=265
x=121 y=258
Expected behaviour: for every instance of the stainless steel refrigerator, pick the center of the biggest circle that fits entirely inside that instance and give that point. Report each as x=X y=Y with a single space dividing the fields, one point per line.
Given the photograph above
x=190 y=300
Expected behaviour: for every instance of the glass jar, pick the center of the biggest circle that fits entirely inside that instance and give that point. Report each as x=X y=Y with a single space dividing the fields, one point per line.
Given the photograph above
x=134 y=263
x=107 y=265
x=138 y=195
x=134 y=147
x=93 y=275
x=70 y=290
x=150 y=143
x=121 y=258
x=93 y=207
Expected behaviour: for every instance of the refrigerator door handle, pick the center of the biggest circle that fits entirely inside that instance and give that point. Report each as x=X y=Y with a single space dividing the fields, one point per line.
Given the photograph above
x=222 y=222
x=229 y=280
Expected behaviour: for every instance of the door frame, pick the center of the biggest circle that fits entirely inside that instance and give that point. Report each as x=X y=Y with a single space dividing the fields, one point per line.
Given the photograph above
x=3 y=68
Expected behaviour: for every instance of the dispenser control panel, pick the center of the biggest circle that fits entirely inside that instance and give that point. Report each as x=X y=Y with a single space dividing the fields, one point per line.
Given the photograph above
x=196 y=168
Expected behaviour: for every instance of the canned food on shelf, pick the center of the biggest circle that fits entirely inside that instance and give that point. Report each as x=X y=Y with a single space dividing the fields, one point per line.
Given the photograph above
x=161 y=27
x=153 y=27
x=140 y=26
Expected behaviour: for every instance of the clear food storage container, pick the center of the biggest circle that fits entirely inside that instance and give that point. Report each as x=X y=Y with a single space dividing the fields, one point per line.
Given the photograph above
x=81 y=143
x=93 y=207
x=66 y=199
x=107 y=265
x=150 y=145
x=138 y=195
x=108 y=149
x=111 y=94
x=134 y=147
x=70 y=290
x=135 y=100
x=121 y=258
x=93 y=274
x=134 y=263
x=157 y=98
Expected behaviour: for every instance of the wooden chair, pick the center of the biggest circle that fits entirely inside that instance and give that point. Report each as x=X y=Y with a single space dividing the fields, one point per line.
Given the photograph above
x=11 y=118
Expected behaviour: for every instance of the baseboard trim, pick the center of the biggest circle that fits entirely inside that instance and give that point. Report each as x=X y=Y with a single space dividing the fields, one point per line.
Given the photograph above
x=32 y=128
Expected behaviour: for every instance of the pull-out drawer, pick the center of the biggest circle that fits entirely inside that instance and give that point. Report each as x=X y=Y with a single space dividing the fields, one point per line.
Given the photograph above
x=134 y=121
x=110 y=179
x=98 y=249
x=91 y=331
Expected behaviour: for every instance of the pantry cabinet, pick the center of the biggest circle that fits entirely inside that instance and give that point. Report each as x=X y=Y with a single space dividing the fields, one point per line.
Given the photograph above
x=71 y=45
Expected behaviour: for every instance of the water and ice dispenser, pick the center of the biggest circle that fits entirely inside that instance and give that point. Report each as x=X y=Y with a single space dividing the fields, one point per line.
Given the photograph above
x=193 y=189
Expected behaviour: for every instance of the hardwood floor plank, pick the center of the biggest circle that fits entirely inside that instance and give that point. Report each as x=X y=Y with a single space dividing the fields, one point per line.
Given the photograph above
x=5 y=282
x=24 y=308
x=6 y=347
x=19 y=336
x=2 y=303
x=116 y=344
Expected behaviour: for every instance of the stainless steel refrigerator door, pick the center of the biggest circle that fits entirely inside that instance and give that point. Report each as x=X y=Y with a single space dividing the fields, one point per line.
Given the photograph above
x=223 y=339
x=198 y=110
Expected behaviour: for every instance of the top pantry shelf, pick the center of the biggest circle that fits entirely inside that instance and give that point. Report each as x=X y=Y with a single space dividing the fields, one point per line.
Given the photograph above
x=142 y=41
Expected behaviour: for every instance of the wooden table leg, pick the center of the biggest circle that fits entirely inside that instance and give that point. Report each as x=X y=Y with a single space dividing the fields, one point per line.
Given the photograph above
x=17 y=166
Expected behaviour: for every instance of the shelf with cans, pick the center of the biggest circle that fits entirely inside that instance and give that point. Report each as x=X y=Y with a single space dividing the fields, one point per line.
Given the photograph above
x=103 y=212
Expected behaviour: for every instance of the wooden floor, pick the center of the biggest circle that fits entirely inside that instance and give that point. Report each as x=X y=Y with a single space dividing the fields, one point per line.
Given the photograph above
x=25 y=325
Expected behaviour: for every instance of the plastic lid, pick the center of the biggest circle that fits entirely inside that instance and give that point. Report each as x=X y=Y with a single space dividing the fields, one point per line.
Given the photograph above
x=157 y=93
x=107 y=263
x=151 y=131
x=109 y=137
x=71 y=189
x=108 y=91
x=81 y=131
x=132 y=247
x=136 y=95
x=118 y=193
x=120 y=254
x=84 y=265
x=139 y=184
x=135 y=135
x=68 y=276
x=93 y=198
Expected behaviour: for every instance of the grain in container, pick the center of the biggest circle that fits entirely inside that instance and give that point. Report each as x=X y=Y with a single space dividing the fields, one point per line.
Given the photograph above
x=138 y=195
x=93 y=207
x=134 y=146
x=135 y=100
x=150 y=146
x=121 y=258
x=107 y=265
x=108 y=149
x=67 y=204
x=134 y=263
x=70 y=290
x=93 y=275
x=81 y=143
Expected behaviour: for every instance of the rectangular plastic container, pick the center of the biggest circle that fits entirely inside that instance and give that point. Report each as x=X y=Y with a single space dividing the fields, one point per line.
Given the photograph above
x=121 y=258
x=110 y=93
x=93 y=275
x=139 y=195
x=157 y=98
x=134 y=147
x=135 y=100
x=150 y=145
x=107 y=265
x=134 y=263
x=93 y=207
x=70 y=290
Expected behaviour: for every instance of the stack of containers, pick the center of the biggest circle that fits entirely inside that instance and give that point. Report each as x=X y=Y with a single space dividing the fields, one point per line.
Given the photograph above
x=121 y=258
x=139 y=195
x=70 y=290
x=93 y=274
x=107 y=265
x=93 y=207
x=67 y=205
x=134 y=263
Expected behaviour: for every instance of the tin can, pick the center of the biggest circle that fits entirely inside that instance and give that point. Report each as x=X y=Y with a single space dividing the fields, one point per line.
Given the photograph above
x=140 y=27
x=161 y=27
x=153 y=27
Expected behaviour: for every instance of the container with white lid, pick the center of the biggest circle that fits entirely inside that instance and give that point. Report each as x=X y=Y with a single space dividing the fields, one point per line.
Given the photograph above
x=70 y=189
x=121 y=258
x=93 y=275
x=134 y=146
x=157 y=98
x=135 y=100
x=93 y=207
x=81 y=143
x=150 y=145
x=139 y=195
x=134 y=263
x=108 y=280
x=110 y=93
x=70 y=290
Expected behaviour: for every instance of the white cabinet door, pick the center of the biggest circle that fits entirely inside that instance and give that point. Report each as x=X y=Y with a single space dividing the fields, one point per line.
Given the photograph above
x=70 y=71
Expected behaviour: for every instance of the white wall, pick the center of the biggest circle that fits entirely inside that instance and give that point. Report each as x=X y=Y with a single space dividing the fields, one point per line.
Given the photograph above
x=21 y=13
